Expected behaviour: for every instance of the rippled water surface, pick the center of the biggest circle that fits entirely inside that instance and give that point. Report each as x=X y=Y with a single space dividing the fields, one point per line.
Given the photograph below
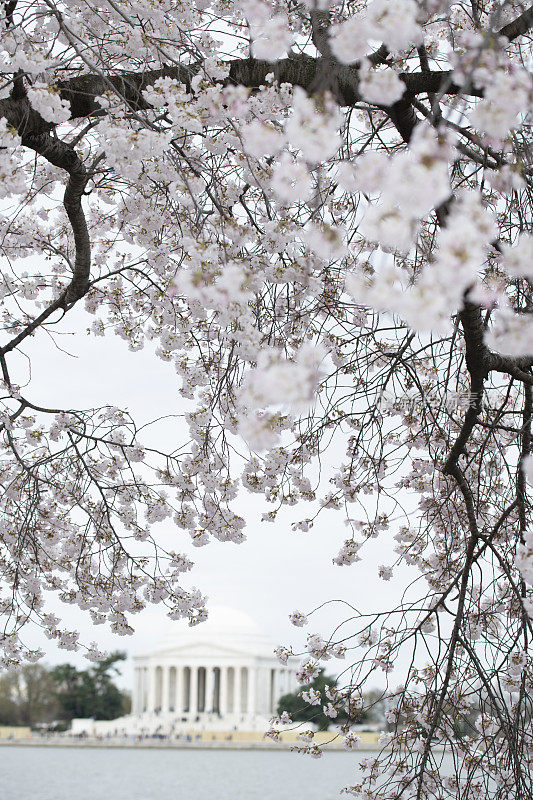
x=57 y=773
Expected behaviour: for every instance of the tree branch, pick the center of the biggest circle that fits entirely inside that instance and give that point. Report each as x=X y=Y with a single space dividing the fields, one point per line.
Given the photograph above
x=64 y=156
x=518 y=26
x=300 y=70
x=478 y=360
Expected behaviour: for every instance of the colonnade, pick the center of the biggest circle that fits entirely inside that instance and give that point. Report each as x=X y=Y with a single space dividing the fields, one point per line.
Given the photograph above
x=193 y=690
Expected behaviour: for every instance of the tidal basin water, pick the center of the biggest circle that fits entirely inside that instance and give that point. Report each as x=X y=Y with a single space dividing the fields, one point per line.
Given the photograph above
x=57 y=773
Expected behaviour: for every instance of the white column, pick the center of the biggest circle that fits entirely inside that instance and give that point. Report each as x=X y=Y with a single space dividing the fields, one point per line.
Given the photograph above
x=150 y=689
x=223 y=692
x=277 y=692
x=135 y=695
x=251 y=691
x=164 y=689
x=237 y=679
x=240 y=695
x=281 y=684
x=209 y=689
x=293 y=683
x=193 y=694
x=178 y=699
x=144 y=693
x=140 y=704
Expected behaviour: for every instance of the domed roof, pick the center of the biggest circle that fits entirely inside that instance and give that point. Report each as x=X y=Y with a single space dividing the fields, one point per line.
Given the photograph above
x=225 y=627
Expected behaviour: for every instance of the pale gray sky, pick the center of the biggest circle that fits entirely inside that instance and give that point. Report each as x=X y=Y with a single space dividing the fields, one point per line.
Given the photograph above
x=273 y=573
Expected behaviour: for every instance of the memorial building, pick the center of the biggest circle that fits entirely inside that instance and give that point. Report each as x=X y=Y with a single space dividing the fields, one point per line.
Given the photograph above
x=219 y=675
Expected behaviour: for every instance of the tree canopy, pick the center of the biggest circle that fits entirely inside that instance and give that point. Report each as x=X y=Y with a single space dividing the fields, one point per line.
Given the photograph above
x=319 y=213
x=89 y=693
x=27 y=697
x=39 y=695
x=306 y=705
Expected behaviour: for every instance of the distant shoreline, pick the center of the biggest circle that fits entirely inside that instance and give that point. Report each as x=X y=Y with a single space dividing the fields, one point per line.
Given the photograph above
x=175 y=744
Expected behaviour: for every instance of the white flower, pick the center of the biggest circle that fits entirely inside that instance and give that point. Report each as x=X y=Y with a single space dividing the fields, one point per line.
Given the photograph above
x=260 y=139
x=136 y=453
x=94 y=654
x=68 y=640
x=418 y=180
x=348 y=40
x=283 y=383
x=381 y=87
x=394 y=23
x=312 y=697
x=517 y=663
x=315 y=751
x=298 y=619
x=271 y=37
x=390 y=226
x=48 y=103
x=385 y=572
x=511 y=334
x=282 y=654
x=524 y=558
x=348 y=554
x=34 y=655
x=307 y=670
x=259 y=429
x=345 y=176
x=325 y=241
x=312 y=130
x=12 y=176
x=351 y=741
x=338 y=650
x=291 y=180
x=371 y=170
x=505 y=96
x=527 y=467
x=316 y=645
x=518 y=260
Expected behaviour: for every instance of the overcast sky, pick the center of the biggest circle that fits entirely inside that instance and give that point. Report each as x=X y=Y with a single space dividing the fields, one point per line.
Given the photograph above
x=273 y=573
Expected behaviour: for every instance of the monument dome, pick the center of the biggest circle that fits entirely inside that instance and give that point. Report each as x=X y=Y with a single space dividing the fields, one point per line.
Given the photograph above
x=224 y=625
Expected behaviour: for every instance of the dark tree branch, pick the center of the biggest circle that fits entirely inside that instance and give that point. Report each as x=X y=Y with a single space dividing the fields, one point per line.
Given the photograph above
x=525 y=450
x=65 y=157
x=478 y=358
x=300 y=70
x=518 y=26
x=480 y=361
x=403 y=116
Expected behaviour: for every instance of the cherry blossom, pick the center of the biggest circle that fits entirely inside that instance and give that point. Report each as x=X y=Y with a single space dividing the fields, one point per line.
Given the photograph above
x=298 y=619
x=317 y=217
x=381 y=86
x=50 y=105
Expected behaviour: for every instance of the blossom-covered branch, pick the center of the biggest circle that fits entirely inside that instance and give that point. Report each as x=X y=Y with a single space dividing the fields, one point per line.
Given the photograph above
x=320 y=220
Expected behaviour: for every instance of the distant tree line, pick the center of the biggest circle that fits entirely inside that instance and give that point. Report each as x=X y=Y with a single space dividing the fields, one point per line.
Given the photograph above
x=40 y=695
x=371 y=711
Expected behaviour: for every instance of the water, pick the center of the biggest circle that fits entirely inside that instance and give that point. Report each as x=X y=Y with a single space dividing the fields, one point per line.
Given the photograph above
x=56 y=773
